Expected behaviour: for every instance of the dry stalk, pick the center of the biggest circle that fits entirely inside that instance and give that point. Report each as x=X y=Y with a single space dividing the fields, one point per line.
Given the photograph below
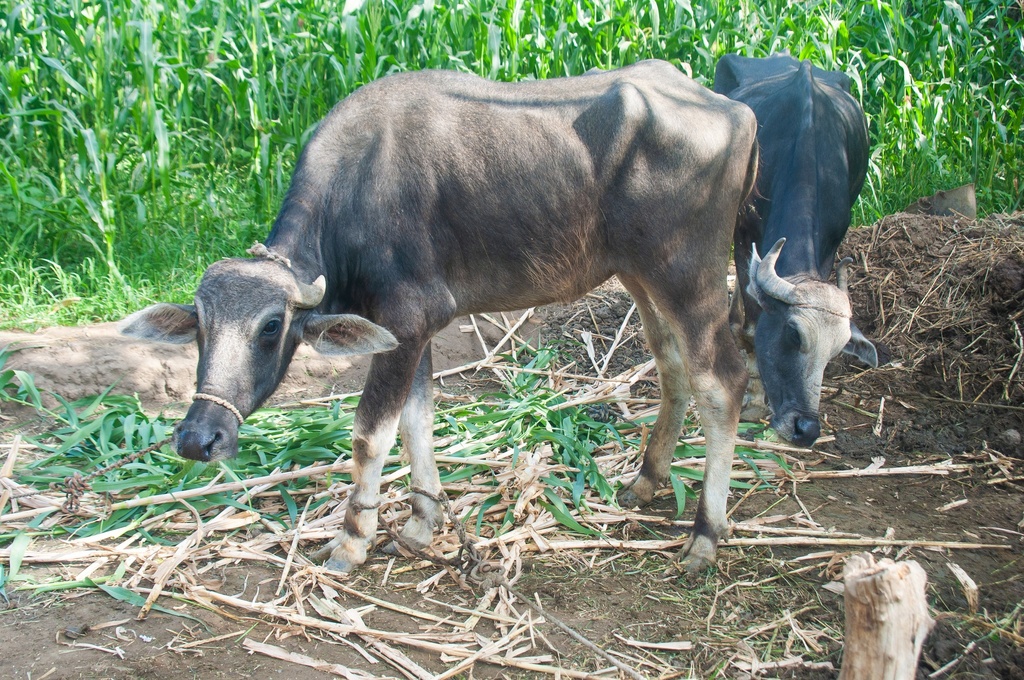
x=167 y=567
x=1013 y=371
x=615 y=343
x=489 y=355
x=385 y=604
x=303 y=660
x=12 y=455
x=377 y=636
x=295 y=544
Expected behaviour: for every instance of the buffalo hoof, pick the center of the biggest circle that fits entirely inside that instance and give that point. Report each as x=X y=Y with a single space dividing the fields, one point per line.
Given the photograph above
x=341 y=555
x=638 y=494
x=627 y=499
x=407 y=545
x=697 y=556
x=695 y=564
x=322 y=553
x=755 y=407
x=395 y=550
x=345 y=560
x=339 y=565
x=755 y=413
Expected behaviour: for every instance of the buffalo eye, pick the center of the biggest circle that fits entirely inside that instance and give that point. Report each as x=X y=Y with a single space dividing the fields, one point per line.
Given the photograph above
x=792 y=336
x=271 y=329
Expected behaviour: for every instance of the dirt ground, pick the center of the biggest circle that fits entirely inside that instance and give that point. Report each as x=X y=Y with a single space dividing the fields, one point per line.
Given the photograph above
x=761 y=602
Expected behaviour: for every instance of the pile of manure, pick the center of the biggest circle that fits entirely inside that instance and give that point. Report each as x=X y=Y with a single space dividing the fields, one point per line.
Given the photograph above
x=943 y=297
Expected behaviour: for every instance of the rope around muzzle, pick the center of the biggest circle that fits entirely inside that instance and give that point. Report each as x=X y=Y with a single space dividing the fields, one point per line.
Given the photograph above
x=220 y=402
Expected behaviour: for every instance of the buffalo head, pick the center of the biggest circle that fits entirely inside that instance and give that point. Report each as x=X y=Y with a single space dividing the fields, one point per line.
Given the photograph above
x=804 y=323
x=248 y=318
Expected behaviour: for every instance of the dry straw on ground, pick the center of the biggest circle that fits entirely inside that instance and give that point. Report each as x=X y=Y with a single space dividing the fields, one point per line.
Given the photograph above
x=322 y=603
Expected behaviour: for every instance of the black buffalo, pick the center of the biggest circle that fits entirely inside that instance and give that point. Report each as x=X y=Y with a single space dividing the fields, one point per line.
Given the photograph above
x=814 y=153
x=425 y=196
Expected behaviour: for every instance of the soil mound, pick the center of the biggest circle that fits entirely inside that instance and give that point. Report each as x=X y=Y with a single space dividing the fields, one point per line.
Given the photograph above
x=77 y=362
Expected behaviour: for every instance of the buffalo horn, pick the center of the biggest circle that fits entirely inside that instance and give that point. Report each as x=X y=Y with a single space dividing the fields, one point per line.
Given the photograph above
x=770 y=282
x=310 y=294
x=843 y=273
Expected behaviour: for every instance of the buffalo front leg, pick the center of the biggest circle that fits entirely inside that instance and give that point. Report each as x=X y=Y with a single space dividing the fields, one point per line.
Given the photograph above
x=373 y=435
x=755 y=402
x=675 y=398
x=417 y=430
x=718 y=379
x=742 y=322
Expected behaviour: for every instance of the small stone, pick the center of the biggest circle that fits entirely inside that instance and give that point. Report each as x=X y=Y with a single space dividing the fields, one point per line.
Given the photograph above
x=1010 y=437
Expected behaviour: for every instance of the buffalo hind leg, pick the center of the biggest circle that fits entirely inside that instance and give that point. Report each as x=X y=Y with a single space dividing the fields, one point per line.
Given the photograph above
x=675 y=399
x=694 y=305
x=417 y=430
x=373 y=434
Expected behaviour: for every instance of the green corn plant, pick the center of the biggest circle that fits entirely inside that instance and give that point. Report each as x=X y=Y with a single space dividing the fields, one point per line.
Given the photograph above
x=153 y=138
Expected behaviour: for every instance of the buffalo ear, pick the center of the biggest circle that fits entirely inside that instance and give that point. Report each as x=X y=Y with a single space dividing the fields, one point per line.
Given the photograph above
x=860 y=347
x=755 y=292
x=753 y=289
x=341 y=334
x=162 y=322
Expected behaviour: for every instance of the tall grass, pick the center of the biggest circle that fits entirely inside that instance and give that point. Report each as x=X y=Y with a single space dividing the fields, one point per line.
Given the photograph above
x=141 y=140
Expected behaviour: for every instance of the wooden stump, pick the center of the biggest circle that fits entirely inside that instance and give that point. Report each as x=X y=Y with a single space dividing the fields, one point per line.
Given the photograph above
x=887 y=618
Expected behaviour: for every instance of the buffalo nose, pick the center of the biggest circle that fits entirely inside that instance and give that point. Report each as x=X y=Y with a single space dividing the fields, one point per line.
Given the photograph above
x=196 y=445
x=805 y=430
